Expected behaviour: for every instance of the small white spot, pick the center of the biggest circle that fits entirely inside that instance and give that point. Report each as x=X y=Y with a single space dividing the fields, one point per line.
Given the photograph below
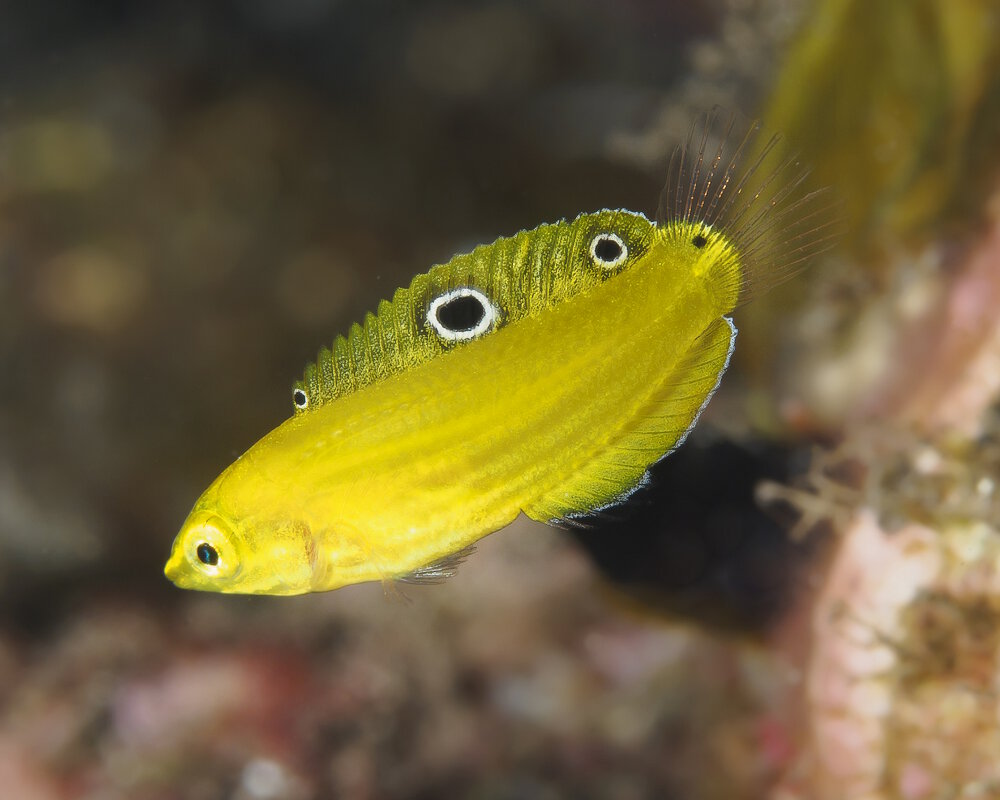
x=265 y=779
x=489 y=314
x=603 y=245
x=927 y=460
x=985 y=486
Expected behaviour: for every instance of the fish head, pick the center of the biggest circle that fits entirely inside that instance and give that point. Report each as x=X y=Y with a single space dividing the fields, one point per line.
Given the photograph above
x=218 y=553
x=206 y=554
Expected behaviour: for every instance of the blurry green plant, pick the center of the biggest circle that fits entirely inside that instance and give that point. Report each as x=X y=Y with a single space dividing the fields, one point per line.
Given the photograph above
x=897 y=104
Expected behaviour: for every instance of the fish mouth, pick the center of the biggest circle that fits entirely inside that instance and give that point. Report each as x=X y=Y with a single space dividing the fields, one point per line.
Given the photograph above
x=174 y=568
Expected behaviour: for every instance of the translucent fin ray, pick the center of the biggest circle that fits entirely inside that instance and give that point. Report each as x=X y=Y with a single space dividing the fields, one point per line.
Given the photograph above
x=438 y=571
x=732 y=179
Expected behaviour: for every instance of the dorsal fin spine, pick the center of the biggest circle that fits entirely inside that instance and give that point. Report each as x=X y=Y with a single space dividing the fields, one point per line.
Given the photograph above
x=343 y=362
x=356 y=343
x=327 y=373
x=402 y=321
x=385 y=336
x=373 y=349
x=309 y=381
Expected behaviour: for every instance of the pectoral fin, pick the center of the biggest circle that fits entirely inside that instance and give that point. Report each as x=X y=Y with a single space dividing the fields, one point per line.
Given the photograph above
x=438 y=571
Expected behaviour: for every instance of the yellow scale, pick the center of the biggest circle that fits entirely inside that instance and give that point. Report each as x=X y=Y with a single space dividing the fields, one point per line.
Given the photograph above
x=542 y=374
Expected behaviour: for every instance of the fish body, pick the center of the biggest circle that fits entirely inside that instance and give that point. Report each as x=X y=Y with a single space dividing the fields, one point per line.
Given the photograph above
x=542 y=374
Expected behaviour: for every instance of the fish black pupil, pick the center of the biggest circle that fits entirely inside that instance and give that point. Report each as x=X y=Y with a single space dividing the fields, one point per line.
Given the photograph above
x=207 y=554
x=299 y=398
x=462 y=313
x=607 y=249
x=699 y=241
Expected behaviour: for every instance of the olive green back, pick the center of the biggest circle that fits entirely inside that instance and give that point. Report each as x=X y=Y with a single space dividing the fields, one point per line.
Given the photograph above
x=522 y=275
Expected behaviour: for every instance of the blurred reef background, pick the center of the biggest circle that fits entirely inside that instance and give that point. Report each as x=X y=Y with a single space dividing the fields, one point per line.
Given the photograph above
x=194 y=197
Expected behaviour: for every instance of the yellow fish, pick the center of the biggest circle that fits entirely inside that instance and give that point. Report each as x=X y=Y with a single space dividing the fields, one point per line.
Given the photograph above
x=542 y=374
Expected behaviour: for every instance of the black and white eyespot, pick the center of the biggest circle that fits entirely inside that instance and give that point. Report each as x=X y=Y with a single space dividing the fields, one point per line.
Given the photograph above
x=608 y=250
x=461 y=314
x=300 y=399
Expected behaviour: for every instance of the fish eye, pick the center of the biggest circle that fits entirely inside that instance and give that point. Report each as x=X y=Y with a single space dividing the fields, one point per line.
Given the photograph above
x=210 y=546
x=461 y=314
x=608 y=250
x=207 y=554
x=300 y=398
x=699 y=241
